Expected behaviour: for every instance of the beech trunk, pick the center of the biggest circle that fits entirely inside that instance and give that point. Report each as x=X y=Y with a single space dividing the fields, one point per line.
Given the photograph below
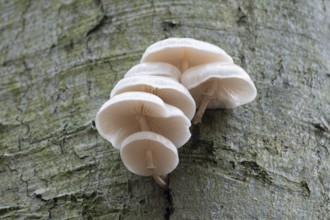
x=268 y=159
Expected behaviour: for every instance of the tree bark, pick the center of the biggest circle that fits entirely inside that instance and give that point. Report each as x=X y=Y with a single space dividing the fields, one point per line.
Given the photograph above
x=265 y=160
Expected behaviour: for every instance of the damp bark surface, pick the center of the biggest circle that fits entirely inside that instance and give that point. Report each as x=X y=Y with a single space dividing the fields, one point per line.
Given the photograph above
x=268 y=159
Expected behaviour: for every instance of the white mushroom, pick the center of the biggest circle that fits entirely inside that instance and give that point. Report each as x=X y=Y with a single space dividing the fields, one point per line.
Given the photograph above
x=216 y=85
x=185 y=53
x=131 y=112
x=149 y=154
x=149 y=111
x=154 y=69
x=170 y=91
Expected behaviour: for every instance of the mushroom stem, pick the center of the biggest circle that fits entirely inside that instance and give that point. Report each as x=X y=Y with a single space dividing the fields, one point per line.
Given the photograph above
x=206 y=99
x=160 y=181
x=143 y=123
x=151 y=166
x=150 y=161
x=184 y=65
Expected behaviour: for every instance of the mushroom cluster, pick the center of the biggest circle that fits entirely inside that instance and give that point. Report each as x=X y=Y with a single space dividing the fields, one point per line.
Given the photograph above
x=149 y=111
x=207 y=71
x=148 y=117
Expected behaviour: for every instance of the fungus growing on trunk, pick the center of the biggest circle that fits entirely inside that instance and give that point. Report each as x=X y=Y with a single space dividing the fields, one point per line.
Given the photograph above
x=185 y=53
x=131 y=112
x=170 y=91
x=217 y=85
x=149 y=154
x=148 y=114
x=154 y=69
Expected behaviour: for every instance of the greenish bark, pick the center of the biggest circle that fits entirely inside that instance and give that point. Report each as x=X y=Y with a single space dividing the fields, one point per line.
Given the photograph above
x=265 y=160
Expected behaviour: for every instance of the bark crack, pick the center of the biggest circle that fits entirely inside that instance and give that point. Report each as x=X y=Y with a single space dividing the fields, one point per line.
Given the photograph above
x=39 y=196
x=256 y=171
x=26 y=182
x=306 y=190
x=168 y=26
x=242 y=16
x=104 y=20
x=23 y=19
x=52 y=207
x=323 y=125
x=169 y=205
x=11 y=169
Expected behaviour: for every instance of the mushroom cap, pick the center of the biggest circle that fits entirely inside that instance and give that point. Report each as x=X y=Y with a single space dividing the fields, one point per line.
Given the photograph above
x=154 y=69
x=134 y=149
x=119 y=118
x=174 y=50
x=234 y=86
x=170 y=91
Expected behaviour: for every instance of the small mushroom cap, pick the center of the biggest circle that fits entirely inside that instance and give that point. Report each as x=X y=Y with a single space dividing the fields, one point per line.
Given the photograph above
x=234 y=86
x=154 y=69
x=175 y=50
x=170 y=91
x=135 y=147
x=119 y=117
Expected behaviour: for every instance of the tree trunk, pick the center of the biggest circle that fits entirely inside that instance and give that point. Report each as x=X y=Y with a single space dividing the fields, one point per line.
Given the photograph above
x=265 y=160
